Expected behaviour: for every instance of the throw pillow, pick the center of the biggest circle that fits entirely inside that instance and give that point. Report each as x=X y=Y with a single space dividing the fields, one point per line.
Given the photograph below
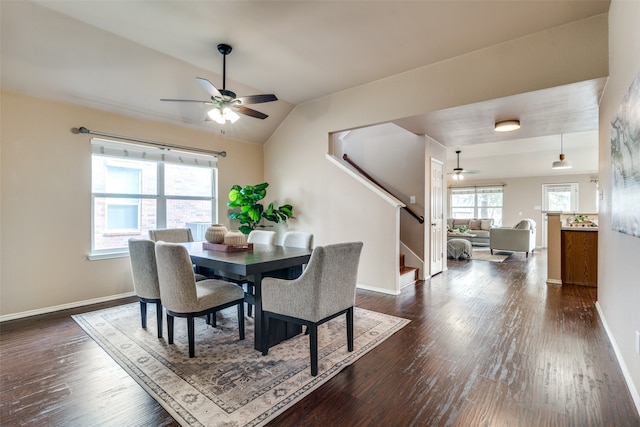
x=474 y=224
x=485 y=224
x=522 y=225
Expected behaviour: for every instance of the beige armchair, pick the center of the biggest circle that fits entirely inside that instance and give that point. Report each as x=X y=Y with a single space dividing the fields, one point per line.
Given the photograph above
x=182 y=296
x=326 y=289
x=521 y=238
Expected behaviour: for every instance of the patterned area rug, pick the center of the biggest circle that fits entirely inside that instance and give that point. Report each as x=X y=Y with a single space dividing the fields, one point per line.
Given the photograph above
x=485 y=255
x=228 y=383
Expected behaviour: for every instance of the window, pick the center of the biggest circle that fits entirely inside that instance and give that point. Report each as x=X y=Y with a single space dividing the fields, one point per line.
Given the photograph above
x=137 y=188
x=560 y=197
x=476 y=202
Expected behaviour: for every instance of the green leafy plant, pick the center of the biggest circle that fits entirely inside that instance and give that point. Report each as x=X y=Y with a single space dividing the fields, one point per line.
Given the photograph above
x=251 y=211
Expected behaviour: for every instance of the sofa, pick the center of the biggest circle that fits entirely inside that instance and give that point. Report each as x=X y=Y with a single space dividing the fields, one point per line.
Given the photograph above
x=480 y=228
x=519 y=238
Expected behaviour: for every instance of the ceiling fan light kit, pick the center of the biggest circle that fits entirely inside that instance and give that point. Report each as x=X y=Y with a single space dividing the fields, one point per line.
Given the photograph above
x=507 y=125
x=458 y=172
x=226 y=105
x=562 y=163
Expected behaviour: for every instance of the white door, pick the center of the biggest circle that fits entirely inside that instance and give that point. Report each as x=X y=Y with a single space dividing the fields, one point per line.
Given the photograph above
x=437 y=218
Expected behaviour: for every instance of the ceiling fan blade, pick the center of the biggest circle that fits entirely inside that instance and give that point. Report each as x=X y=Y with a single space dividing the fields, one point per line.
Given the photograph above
x=249 y=112
x=189 y=100
x=210 y=88
x=257 y=99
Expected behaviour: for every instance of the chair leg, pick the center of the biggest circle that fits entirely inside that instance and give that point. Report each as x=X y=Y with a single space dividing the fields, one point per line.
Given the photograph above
x=350 y=329
x=251 y=291
x=211 y=319
x=241 y=319
x=159 y=318
x=191 y=334
x=143 y=314
x=170 y=328
x=313 y=346
x=265 y=334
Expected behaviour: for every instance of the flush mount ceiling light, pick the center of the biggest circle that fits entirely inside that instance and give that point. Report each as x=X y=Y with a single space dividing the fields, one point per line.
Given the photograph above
x=562 y=163
x=507 y=125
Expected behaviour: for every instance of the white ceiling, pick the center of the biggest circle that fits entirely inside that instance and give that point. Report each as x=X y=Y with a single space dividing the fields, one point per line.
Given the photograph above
x=123 y=56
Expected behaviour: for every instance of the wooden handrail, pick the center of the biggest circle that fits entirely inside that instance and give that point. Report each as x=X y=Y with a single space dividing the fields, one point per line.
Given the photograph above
x=346 y=158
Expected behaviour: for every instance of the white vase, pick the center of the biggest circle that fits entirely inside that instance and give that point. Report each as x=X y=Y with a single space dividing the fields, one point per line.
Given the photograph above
x=215 y=233
x=235 y=237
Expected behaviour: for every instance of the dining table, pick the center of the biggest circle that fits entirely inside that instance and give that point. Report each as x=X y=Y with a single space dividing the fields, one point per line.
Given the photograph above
x=253 y=265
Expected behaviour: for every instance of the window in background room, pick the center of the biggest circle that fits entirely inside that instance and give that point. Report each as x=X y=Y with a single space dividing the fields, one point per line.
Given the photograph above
x=137 y=188
x=557 y=198
x=560 y=197
x=476 y=202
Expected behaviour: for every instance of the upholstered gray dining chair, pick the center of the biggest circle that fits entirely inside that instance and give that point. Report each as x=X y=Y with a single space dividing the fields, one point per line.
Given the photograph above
x=325 y=290
x=264 y=237
x=173 y=235
x=182 y=296
x=145 y=278
x=297 y=239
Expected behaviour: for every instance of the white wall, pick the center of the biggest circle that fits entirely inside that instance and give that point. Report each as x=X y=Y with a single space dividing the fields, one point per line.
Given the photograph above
x=45 y=223
x=333 y=206
x=618 y=254
x=394 y=157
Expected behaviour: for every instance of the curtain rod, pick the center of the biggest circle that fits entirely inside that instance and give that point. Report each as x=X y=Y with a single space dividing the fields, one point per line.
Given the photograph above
x=83 y=129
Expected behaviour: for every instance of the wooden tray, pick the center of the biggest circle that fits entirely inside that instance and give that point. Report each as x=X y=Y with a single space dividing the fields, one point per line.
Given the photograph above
x=227 y=248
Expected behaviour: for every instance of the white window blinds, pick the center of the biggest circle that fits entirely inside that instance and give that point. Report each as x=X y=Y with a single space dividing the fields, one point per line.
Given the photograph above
x=144 y=152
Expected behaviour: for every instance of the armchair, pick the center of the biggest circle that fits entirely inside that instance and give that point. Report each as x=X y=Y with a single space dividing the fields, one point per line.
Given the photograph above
x=182 y=296
x=520 y=238
x=326 y=289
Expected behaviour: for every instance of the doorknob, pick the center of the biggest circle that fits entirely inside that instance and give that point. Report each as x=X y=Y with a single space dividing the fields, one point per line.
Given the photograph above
x=433 y=224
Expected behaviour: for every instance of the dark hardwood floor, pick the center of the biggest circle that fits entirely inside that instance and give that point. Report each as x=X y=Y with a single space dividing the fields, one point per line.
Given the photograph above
x=488 y=345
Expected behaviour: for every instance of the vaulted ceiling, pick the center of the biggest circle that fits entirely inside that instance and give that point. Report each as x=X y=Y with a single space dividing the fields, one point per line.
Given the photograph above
x=124 y=56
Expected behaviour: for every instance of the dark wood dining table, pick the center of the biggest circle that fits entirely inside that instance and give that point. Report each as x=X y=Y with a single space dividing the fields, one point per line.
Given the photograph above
x=262 y=261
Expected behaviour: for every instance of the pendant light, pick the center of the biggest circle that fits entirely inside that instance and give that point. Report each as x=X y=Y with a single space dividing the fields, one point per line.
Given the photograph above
x=562 y=163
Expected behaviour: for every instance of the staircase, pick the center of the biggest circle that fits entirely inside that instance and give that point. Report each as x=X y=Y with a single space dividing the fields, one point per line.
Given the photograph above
x=408 y=275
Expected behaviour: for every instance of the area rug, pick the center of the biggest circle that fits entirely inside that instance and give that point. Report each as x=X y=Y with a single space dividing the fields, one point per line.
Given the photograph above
x=228 y=383
x=485 y=255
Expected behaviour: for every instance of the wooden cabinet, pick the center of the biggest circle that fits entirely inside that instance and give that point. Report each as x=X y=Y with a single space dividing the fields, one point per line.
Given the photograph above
x=579 y=257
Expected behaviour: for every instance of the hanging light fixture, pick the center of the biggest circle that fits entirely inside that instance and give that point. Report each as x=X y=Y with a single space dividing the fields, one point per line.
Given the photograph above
x=222 y=115
x=507 y=126
x=562 y=163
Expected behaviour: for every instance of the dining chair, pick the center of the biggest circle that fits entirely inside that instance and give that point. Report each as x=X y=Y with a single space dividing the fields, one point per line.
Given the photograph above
x=325 y=290
x=177 y=235
x=297 y=239
x=174 y=235
x=264 y=237
x=182 y=296
x=144 y=270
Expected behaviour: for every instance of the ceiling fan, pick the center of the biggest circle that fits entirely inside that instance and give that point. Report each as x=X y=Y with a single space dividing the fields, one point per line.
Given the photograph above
x=225 y=103
x=459 y=173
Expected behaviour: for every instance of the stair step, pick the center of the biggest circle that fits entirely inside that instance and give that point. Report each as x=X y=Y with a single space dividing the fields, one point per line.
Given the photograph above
x=408 y=275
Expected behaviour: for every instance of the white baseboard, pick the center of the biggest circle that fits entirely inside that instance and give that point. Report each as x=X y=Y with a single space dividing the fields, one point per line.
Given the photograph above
x=625 y=371
x=375 y=289
x=45 y=310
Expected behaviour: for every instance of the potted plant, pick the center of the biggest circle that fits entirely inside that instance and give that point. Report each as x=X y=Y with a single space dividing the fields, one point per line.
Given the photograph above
x=247 y=199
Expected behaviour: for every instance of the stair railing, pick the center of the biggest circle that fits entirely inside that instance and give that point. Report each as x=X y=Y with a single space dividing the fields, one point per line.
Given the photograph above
x=411 y=212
